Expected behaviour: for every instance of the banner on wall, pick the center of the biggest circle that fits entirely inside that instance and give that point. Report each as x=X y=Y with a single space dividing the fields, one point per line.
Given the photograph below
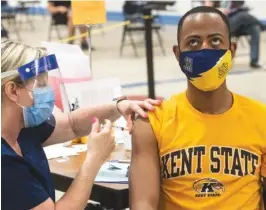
x=88 y=12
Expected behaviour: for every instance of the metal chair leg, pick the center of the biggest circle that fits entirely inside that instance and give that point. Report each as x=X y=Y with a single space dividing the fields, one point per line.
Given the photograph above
x=58 y=32
x=133 y=43
x=160 y=41
x=122 y=41
x=50 y=32
x=16 y=30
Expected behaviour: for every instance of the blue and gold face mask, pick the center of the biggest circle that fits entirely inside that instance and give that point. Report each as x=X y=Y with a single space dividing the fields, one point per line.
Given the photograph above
x=206 y=69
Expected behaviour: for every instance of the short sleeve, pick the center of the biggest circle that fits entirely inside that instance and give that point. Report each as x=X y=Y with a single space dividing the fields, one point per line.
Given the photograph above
x=155 y=119
x=261 y=128
x=43 y=131
x=20 y=189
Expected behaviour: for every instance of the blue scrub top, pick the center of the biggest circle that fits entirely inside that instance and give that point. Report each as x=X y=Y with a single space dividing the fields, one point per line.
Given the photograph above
x=26 y=181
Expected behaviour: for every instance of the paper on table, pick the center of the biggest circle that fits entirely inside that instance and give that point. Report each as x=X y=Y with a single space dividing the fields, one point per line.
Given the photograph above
x=60 y=150
x=115 y=175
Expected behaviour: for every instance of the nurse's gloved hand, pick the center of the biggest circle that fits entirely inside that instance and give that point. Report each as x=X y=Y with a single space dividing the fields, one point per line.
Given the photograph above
x=130 y=108
x=101 y=142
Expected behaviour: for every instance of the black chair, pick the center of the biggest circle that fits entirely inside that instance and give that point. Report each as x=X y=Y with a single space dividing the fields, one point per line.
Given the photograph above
x=4 y=32
x=56 y=27
x=9 y=17
x=133 y=13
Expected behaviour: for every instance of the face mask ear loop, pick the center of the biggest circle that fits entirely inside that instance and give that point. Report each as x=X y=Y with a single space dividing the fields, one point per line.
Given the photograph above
x=20 y=105
x=30 y=94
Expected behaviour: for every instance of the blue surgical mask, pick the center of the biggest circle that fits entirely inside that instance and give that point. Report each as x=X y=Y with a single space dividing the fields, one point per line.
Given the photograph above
x=42 y=108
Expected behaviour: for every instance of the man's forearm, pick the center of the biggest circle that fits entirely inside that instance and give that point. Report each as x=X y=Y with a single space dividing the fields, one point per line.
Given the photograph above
x=81 y=119
x=78 y=194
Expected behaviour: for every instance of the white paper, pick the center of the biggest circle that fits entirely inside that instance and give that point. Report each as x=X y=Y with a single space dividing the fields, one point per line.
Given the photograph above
x=72 y=62
x=94 y=92
x=60 y=150
x=55 y=47
x=113 y=176
x=73 y=66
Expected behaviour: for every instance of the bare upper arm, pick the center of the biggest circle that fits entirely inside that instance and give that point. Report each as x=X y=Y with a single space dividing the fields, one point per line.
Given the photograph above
x=144 y=179
x=46 y=205
x=264 y=183
x=63 y=130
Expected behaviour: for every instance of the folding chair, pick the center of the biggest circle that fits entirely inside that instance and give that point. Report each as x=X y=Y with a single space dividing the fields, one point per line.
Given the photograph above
x=10 y=18
x=137 y=25
x=56 y=27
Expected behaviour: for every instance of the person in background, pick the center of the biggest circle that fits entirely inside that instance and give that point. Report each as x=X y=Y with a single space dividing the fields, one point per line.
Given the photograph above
x=242 y=22
x=61 y=14
x=27 y=124
x=204 y=148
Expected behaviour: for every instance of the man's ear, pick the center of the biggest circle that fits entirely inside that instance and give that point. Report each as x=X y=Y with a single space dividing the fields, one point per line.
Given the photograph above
x=176 y=51
x=233 y=48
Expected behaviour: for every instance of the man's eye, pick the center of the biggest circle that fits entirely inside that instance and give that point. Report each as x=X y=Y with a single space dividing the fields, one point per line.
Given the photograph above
x=216 y=41
x=193 y=43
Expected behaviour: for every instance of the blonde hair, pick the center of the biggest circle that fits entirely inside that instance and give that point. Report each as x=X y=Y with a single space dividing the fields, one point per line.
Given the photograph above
x=14 y=55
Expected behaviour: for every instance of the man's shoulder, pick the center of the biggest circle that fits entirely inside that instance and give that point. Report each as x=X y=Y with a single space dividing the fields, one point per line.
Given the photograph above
x=170 y=104
x=253 y=110
x=249 y=104
x=175 y=99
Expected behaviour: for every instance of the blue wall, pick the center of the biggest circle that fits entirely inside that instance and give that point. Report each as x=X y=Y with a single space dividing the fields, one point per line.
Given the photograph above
x=118 y=16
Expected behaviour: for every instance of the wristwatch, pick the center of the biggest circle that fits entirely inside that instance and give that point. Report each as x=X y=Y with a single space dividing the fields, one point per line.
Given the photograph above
x=118 y=99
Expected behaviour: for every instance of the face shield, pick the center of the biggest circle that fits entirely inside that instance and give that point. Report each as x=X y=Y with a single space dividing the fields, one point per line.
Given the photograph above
x=34 y=76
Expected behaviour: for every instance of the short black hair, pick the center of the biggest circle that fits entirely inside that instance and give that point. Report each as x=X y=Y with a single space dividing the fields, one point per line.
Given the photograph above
x=202 y=9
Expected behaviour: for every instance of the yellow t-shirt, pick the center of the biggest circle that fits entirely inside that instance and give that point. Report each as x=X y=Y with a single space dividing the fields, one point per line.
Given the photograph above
x=211 y=162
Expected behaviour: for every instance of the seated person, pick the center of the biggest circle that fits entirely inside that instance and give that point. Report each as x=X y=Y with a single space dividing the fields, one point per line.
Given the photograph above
x=204 y=148
x=241 y=22
x=4 y=32
x=61 y=14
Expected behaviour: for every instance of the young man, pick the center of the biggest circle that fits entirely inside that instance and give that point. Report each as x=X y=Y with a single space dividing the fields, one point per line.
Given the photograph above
x=208 y=144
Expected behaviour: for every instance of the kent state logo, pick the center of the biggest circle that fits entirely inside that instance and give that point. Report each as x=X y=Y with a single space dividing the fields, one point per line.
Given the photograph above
x=188 y=64
x=208 y=187
x=222 y=70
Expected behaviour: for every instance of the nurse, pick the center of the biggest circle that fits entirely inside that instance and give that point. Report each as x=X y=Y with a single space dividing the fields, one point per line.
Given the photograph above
x=28 y=124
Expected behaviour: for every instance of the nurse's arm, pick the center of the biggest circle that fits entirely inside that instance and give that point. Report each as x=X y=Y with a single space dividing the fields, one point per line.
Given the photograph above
x=144 y=178
x=78 y=193
x=78 y=122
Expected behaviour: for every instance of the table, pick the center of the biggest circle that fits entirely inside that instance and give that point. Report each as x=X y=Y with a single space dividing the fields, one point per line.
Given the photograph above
x=110 y=195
